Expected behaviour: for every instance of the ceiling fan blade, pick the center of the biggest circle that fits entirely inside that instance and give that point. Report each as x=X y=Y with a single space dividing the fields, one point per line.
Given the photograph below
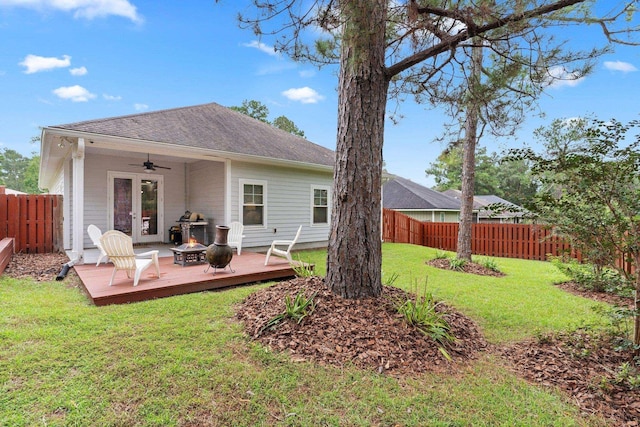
x=161 y=167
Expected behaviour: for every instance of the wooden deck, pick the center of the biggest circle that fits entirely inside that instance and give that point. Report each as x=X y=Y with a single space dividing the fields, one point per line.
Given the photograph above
x=177 y=280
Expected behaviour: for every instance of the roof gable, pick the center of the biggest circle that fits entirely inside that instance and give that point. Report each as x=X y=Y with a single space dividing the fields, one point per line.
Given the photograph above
x=401 y=193
x=209 y=126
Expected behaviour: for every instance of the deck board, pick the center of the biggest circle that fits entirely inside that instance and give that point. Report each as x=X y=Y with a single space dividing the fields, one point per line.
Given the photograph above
x=176 y=279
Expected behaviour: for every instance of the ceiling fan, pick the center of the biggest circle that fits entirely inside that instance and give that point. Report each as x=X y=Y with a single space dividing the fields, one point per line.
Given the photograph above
x=148 y=165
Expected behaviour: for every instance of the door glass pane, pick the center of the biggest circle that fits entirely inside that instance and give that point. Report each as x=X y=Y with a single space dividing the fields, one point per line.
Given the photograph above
x=149 y=202
x=122 y=204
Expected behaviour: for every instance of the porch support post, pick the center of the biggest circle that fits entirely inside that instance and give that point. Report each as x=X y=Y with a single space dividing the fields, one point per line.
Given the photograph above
x=227 y=193
x=77 y=233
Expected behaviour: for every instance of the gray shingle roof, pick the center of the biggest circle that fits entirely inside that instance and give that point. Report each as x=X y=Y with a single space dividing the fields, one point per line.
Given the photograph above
x=401 y=193
x=209 y=126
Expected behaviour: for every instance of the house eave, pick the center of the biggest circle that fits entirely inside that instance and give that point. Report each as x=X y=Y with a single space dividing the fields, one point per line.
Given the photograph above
x=49 y=148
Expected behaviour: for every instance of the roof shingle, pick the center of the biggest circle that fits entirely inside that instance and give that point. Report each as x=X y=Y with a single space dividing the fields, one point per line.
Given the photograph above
x=209 y=126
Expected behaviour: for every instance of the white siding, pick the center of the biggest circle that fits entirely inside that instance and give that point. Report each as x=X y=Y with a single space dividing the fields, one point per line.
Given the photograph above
x=200 y=187
x=432 y=216
x=288 y=203
x=205 y=193
x=96 y=210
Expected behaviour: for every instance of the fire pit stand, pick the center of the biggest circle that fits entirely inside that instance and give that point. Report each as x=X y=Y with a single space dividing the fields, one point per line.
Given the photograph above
x=188 y=254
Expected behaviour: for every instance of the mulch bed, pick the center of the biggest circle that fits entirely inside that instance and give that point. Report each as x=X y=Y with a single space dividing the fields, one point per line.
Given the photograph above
x=366 y=333
x=583 y=366
x=39 y=267
x=468 y=267
x=369 y=334
x=613 y=299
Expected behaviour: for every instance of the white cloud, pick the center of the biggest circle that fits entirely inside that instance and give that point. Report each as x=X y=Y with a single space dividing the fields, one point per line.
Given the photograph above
x=87 y=9
x=560 y=76
x=74 y=93
x=262 y=47
x=307 y=73
x=140 y=107
x=625 y=67
x=35 y=63
x=111 y=97
x=80 y=71
x=306 y=95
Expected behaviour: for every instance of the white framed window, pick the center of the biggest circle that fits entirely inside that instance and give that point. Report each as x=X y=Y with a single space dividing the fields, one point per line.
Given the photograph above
x=319 y=205
x=442 y=217
x=253 y=203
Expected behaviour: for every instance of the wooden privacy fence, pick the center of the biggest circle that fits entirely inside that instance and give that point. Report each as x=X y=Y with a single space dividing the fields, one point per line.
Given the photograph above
x=33 y=220
x=523 y=241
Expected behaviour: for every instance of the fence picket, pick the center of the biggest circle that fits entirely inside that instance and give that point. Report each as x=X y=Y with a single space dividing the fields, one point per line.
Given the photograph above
x=525 y=241
x=33 y=220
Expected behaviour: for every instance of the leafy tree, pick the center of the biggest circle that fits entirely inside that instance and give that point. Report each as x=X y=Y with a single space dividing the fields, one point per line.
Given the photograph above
x=380 y=42
x=255 y=109
x=287 y=125
x=259 y=111
x=507 y=178
x=447 y=171
x=19 y=172
x=516 y=183
x=591 y=192
x=31 y=175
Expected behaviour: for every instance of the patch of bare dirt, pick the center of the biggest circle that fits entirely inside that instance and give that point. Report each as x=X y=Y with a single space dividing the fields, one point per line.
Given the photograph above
x=367 y=333
x=586 y=368
x=39 y=267
x=469 y=267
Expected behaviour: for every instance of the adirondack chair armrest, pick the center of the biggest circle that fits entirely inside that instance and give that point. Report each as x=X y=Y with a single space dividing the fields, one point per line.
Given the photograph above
x=281 y=242
x=152 y=254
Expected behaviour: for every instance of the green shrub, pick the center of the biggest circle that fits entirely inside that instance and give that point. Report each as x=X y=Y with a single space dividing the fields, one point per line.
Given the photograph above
x=302 y=269
x=590 y=277
x=421 y=312
x=457 y=264
x=296 y=309
x=489 y=263
x=440 y=254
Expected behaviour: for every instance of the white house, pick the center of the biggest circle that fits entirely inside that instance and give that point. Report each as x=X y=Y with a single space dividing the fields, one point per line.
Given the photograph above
x=140 y=173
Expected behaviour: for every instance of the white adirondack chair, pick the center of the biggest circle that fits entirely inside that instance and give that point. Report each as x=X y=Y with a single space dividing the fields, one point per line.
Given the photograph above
x=119 y=248
x=282 y=247
x=95 y=233
x=235 y=236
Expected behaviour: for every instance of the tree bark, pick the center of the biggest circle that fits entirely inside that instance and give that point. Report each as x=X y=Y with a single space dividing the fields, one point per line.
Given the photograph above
x=354 y=254
x=463 y=250
x=636 y=307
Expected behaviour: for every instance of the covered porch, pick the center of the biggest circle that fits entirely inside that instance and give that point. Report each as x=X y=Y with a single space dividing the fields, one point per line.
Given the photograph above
x=175 y=279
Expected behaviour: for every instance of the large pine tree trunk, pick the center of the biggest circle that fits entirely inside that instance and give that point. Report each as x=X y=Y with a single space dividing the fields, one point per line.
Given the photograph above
x=463 y=250
x=354 y=255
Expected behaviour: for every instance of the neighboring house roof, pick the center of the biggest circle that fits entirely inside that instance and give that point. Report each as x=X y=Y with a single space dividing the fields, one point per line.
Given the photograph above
x=481 y=202
x=457 y=194
x=400 y=193
x=208 y=126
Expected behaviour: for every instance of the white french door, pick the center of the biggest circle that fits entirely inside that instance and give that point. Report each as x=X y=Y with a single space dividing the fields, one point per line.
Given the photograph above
x=136 y=205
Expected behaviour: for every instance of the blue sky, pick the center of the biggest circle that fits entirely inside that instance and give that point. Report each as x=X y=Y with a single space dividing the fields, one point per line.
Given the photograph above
x=74 y=60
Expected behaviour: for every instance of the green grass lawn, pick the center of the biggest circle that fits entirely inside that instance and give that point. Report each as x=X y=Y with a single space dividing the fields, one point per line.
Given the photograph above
x=184 y=360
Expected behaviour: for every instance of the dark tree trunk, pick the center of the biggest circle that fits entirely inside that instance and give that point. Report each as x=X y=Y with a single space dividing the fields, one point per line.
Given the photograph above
x=636 y=307
x=469 y=156
x=354 y=255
